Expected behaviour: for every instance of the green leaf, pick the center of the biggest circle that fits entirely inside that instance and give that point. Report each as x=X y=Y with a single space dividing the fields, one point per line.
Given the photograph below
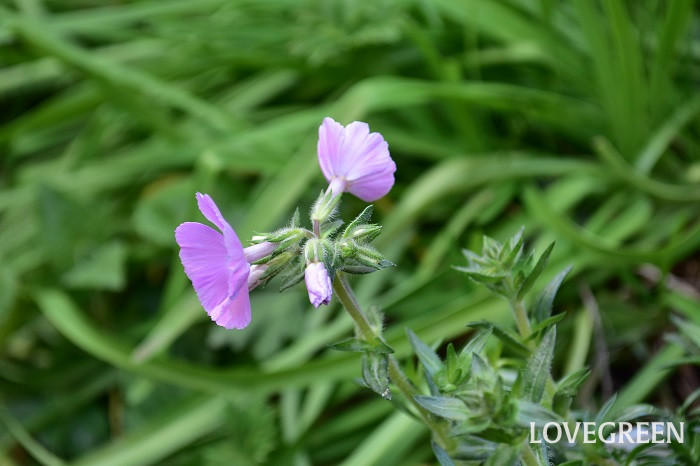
x=506 y=336
x=472 y=447
x=360 y=346
x=449 y=408
x=477 y=343
x=528 y=412
x=375 y=373
x=512 y=251
x=536 y=272
x=606 y=411
x=542 y=307
x=491 y=248
x=431 y=362
x=505 y=455
x=441 y=455
x=534 y=375
x=481 y=275
x=569 y=385
x=544 y=324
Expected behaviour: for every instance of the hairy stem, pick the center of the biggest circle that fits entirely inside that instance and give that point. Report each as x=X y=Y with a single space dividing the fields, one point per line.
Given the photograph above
x=342 y=288
x=519 y=311
x=521 y=318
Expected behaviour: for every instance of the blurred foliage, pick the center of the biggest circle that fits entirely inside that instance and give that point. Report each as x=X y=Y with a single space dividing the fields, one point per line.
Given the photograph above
x=576 y=119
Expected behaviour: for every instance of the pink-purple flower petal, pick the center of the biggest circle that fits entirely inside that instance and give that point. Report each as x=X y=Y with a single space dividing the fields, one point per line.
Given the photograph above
x=357 y=157
x=233 y=312
x=318 y=284
x=203 y=255
x=216 y=265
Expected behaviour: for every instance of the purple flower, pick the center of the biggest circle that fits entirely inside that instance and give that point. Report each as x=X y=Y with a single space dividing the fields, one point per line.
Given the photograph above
x=257 y=251
x=318 y=284
x=256 y=272
x=216 y=265
x=354 y=160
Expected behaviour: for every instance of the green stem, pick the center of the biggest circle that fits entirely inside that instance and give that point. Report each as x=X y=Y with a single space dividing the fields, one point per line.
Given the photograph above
x=521 y=318
x=342 y=288
x=519 y=311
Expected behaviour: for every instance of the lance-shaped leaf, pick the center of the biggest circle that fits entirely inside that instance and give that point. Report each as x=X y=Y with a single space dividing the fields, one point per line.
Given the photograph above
x=471 y=447
x=360 y=346
x=431 y=361
x=491 y=248
x=536 y=272
x=512 y=250
x=569 y=385
x=504 y=455
x=441 y=455
x=534 y=376
x=507 y=337
x=453 y=409
x=528 y=412
x=544 y=324
x=477 y=343
x=542 y=307
x=375 y=373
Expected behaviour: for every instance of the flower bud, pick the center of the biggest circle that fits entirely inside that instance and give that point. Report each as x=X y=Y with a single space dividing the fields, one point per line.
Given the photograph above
x=315 y=250
x=324 y=207
x=318 y=283
x=277 y=264
x=365 y=233
x=258 y=251
x=255 y=278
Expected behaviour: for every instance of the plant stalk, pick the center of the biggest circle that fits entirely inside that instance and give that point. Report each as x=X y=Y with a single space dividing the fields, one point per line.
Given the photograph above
x=519 y=311
x=342 y=288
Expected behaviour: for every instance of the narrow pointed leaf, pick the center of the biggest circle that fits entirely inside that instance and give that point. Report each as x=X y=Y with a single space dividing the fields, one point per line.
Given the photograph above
x=542 y=307
x=534 y=376
x=449 y=408
x=507 y=337
x=431 y=362
x=441 y=455
x=536 y=272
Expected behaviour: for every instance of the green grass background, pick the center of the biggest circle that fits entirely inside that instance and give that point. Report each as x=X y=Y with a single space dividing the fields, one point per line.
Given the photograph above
x=575 y=119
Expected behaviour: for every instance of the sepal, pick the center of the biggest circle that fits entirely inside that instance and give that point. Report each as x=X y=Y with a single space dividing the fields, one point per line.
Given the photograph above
x=277 y=263
x=325 y=207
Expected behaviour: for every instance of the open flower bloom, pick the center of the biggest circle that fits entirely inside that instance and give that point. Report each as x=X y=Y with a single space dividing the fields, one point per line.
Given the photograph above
x=216 y=264
x=354 y=160
x=318 y=284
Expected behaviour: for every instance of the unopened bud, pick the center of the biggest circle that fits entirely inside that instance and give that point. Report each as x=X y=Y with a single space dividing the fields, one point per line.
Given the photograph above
x=255 y=276
x=318 y=284
x=258 y=251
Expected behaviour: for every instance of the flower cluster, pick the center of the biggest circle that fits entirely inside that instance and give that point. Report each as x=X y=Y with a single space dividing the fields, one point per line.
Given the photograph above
x=223 y=272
